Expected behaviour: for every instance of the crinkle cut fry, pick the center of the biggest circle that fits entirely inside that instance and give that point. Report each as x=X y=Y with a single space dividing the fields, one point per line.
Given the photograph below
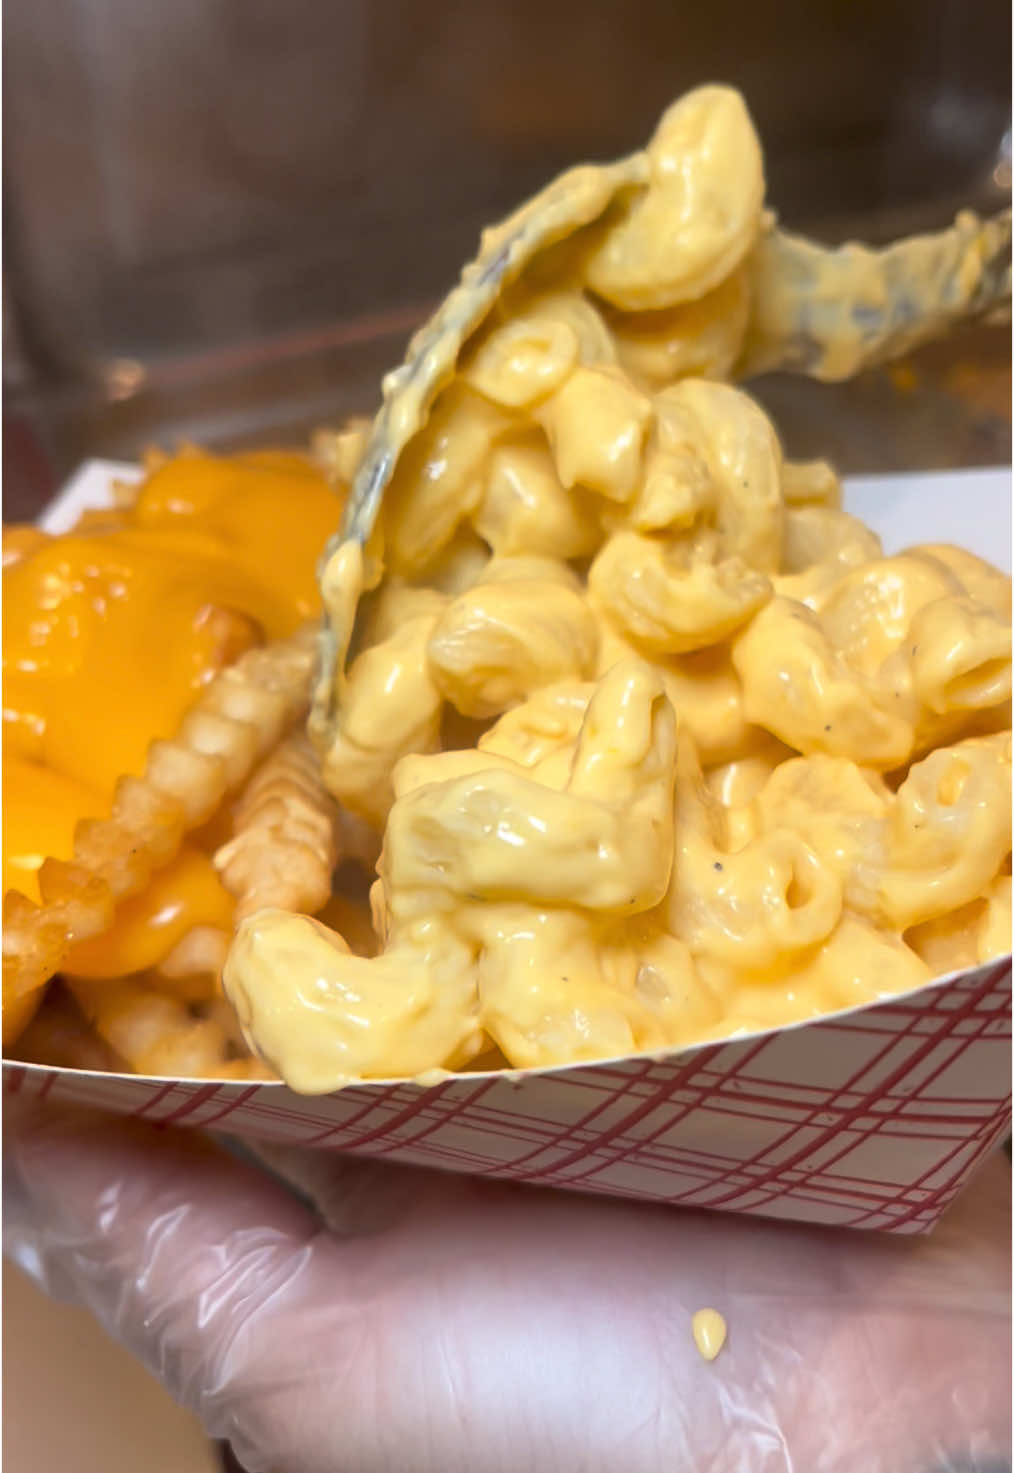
x=61 y=1036
x=287 y=835
x=195 y=961
x=239 y=716
x=157 y=1034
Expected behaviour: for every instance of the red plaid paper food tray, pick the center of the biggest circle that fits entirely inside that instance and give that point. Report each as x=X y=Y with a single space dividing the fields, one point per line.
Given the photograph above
x=871 y=1118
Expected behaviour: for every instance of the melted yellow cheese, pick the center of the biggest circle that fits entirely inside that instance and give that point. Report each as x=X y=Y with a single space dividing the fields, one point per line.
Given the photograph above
x=41 y=809
x=185 y=894
x=109 y=633
x=709 y=1331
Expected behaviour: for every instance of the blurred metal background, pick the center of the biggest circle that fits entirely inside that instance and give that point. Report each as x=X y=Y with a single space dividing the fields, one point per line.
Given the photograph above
x=222 y=217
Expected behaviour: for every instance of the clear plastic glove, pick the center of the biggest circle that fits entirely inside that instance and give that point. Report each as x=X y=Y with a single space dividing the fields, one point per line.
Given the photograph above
x=419 y=1323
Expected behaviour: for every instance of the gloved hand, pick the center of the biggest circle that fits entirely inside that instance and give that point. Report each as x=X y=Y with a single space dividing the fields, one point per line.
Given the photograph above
x=441 y=1323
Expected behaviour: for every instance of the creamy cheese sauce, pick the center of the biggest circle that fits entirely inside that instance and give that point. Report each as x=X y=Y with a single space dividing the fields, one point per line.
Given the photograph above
x=709 y=1331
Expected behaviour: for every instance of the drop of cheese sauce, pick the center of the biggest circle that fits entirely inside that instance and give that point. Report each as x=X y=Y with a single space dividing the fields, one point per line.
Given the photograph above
x=710 y=1331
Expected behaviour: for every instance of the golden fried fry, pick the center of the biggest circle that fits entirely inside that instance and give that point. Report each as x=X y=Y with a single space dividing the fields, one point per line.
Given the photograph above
x=287 y=835
x=198 y=954
x=161 y=1035
x=221 y=1013
x=60 y=1035
x=242 y=713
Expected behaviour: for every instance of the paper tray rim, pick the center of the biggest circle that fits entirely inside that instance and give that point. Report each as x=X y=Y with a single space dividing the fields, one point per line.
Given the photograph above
x=999 y=965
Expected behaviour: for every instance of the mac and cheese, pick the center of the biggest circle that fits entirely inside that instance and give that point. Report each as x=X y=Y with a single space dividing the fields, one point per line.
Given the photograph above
x=663 y=748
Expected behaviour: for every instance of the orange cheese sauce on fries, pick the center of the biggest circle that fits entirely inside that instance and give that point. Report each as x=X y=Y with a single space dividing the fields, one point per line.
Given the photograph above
x=110 y=632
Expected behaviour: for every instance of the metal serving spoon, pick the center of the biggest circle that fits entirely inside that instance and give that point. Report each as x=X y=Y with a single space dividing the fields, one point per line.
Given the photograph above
x=824 y=312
